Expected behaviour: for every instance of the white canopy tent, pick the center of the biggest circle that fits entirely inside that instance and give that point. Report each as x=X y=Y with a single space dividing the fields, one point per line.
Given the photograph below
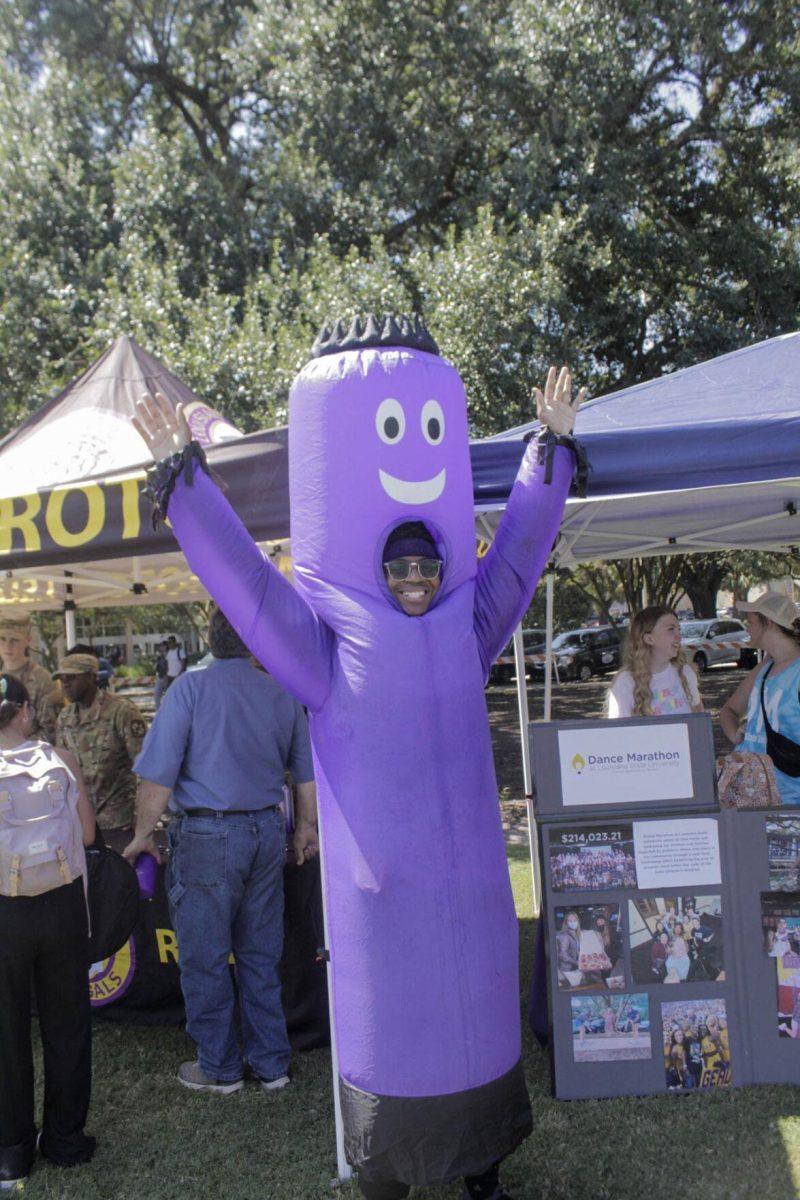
x=73 y=528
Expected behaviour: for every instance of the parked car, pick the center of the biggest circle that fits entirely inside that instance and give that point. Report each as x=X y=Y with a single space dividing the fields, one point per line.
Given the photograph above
x=504 y=670
x=581 y=653
x=707 y=643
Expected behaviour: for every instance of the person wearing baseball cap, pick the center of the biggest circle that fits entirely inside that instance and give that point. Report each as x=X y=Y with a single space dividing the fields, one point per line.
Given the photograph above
x=105 y=733
x=767 y=701
x=15 y=659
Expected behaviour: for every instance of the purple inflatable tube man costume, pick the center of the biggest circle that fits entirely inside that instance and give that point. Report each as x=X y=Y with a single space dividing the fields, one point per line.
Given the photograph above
x=423 y=933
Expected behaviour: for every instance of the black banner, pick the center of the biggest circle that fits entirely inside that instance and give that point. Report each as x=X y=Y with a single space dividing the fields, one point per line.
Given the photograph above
x=140 y=985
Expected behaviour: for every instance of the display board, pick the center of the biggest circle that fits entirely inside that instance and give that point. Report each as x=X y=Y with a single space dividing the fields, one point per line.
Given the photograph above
x=672 y=929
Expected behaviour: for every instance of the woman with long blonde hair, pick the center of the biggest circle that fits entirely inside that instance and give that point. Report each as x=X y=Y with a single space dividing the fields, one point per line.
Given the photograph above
x=656 y=680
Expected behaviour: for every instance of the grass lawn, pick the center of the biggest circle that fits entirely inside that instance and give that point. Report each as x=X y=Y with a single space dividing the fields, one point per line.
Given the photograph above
x=158 y=1141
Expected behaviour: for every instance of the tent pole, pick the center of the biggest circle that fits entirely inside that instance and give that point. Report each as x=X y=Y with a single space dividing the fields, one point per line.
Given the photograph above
x=548 y=662
x=343 y=1168
x=522 y=706
x=69 y=615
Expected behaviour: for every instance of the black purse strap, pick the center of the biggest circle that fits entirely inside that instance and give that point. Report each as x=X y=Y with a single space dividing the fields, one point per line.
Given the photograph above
x=768 y=728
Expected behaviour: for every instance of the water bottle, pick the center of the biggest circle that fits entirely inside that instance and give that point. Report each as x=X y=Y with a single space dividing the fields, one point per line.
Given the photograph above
x=146 y=868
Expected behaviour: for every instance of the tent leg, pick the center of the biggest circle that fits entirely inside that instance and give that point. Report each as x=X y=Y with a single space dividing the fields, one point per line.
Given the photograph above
x=343 y=1168
x=527 y=775
x=548 y=662
x=69 y=613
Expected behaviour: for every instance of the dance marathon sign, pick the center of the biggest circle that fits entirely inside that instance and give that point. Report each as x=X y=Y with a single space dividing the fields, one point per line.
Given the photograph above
x=632 y=765
x=671 y=937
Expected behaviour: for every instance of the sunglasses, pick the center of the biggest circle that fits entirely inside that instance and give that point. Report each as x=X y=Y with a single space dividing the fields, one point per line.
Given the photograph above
x=400 y=568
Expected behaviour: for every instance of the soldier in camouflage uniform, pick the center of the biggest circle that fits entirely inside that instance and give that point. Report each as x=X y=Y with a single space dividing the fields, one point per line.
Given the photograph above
x=15 y=659
x=105 y=733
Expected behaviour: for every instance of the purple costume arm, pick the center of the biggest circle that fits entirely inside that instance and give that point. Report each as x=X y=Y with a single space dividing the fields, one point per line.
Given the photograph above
x=508 y=574
x=280 y=628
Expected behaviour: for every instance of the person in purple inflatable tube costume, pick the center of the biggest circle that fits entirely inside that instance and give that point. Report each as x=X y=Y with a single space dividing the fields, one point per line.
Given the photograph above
x=388 y=637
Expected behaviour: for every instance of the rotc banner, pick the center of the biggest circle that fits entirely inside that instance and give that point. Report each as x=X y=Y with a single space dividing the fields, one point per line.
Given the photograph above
x=72 y=474
x=109 y=517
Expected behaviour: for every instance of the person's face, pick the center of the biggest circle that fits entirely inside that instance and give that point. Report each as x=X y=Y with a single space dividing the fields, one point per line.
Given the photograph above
x=678 y=929
x=12 y=650
x=572 y=921
x=755 y=627
x=79 y=689
x=678 y=1035
x=663 y=939
x=414 y=594
x=664 y=639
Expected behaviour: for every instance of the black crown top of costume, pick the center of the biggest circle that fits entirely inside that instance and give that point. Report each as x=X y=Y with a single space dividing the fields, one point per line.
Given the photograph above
x=372 y=330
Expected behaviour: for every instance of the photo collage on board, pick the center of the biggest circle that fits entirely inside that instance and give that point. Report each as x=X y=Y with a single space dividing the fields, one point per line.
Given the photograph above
x=780 y=919
x=696 y=1048
x=673 y=938
x=597 y=858
x=589 y=947
x=676 y=939
x=780 y=923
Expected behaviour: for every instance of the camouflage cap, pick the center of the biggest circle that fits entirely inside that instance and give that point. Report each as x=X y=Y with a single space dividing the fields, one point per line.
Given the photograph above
x=76 y=664
x=19 y=626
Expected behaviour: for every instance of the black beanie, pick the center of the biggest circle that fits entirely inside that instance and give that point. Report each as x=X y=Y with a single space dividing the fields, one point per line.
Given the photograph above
x=410 y=538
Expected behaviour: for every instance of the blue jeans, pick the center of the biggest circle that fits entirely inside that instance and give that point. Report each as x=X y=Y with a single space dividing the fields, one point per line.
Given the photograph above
x=225 y=885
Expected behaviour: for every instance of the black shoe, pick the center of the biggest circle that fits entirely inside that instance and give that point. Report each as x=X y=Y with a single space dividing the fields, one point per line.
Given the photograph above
x=13 y=1185
x=16 y=1163
x=77 y=1159
x=498 y=1194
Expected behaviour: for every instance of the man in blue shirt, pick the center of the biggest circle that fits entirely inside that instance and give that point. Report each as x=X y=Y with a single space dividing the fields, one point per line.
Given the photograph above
x=220 y=745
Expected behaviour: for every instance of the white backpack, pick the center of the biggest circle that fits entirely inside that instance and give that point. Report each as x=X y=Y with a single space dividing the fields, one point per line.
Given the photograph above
x=41 y=844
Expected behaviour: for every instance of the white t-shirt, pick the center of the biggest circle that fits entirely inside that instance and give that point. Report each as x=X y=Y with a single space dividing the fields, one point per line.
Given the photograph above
x=666 y=693
x=175 y=660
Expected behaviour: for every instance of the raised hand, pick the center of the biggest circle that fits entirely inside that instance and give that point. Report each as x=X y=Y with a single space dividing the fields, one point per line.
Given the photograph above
x=163 y=430
x=555 y=407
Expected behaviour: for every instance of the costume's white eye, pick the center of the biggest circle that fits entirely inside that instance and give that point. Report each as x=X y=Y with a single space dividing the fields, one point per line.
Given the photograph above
x=390 y=421
x=432 y=422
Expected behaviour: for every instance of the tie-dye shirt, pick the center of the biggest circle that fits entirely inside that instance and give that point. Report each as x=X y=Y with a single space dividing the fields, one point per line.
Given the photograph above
x=667 y=695
x=783 y=709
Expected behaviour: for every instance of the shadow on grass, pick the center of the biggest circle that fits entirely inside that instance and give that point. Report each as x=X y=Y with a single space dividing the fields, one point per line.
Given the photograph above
x=163 y=1143
x=737 y=1144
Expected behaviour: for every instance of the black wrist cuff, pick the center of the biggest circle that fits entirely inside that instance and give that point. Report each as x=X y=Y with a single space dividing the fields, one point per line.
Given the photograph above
x=546 y=448
x=162 y=477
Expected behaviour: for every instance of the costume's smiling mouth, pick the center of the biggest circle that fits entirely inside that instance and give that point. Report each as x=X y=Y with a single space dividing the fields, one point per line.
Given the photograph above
x=405 y=491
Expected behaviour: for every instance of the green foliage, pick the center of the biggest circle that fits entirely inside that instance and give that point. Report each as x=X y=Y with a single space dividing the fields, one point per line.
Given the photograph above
x=615 y=185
